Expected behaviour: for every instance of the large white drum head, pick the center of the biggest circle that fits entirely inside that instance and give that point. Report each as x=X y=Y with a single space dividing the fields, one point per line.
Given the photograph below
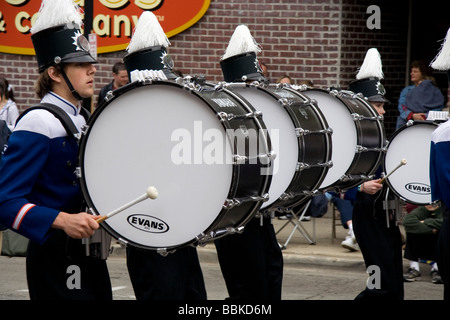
x=284 y=141
x=344 y=138
x=153 y=136
x=411 y=181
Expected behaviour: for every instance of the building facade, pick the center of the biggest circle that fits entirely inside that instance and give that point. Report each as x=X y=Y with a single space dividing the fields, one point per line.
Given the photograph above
x=323 y=41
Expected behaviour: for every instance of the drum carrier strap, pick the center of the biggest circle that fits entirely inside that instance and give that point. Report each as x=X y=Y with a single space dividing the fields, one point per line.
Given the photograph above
x=62 y=116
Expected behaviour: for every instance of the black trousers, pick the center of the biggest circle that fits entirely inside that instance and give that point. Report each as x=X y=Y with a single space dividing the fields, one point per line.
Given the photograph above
x=421 y=246
x=177 y=276
x=59 y=270
x=443 y=260
x=252 y=262
x=380 y=246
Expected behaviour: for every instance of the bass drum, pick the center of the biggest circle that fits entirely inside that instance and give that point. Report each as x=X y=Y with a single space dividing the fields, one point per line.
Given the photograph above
x=358 y=137
x=300 y=138
x=195 y=145
x=412 y=141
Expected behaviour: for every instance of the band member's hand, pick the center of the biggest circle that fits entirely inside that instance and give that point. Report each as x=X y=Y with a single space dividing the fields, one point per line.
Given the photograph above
x=371 y=187
x=78 y=226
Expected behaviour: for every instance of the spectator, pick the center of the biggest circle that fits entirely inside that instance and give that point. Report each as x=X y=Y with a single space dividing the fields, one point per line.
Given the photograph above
x=422 y=96
x=120 y=78
x=8 y=108
x=422 y=227
x=344 y=203
x=285 y=79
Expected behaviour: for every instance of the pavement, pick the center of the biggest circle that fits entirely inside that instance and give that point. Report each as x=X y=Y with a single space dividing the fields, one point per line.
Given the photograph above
x=321 y=248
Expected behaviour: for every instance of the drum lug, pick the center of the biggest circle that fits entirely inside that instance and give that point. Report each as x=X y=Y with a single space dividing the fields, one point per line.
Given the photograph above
x=358 y=117
x=223 y=116
x=231 y=203
x=78 y=172
x=302 y=166
x=162 y=251
x=302 y=132
x=123 y=242
x=84 y=129
x=109 y=96
x=361 y=149
x=238 y=159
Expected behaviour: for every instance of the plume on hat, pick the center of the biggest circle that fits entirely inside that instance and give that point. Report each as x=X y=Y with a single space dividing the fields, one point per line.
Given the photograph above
x=371 y=66
x=54 y=13
x=147 y=33
x=240 y=42
x=442 y=60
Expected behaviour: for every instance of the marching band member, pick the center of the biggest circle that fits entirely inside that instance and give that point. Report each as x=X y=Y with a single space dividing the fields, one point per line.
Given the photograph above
x=177 y=276
x=440 y=174
x=251 y=262
x=40 y=196
x=376 y=231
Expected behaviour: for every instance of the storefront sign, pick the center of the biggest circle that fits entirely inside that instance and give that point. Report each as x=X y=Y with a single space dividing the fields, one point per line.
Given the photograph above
x=113 y=21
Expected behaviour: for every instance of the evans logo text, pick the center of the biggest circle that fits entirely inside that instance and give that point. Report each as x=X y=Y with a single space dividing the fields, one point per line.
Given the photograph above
x=147 y=223
x=418 y=188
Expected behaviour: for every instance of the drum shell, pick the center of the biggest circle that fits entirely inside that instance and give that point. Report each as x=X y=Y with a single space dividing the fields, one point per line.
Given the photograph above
x=305 y=170
x=245 y=179
x=362 y=122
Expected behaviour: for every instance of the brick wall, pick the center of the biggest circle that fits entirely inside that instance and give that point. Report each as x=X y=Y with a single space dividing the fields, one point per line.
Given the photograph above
x=320 y=40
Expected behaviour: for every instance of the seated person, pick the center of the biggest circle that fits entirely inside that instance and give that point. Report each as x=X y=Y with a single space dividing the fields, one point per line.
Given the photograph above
x=344 y=203
x=422 y=231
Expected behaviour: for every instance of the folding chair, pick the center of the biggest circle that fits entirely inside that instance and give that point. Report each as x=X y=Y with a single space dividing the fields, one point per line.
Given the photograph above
x=296 y=219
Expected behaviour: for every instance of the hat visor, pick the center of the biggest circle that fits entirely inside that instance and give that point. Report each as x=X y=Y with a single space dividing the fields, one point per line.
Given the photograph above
x=79 y=57
x=378 y=98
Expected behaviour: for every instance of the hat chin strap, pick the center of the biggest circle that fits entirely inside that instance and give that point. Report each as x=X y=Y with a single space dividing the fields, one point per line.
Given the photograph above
x=69 y=84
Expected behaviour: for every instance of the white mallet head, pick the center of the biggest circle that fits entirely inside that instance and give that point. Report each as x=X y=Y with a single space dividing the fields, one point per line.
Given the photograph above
x=403 y=161
x=152 y=192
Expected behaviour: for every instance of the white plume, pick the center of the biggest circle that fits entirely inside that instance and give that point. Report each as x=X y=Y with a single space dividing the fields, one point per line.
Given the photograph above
x=54 y=13
x=371 y=66
x=241 y=41
x=442 y=60
x=147 y=33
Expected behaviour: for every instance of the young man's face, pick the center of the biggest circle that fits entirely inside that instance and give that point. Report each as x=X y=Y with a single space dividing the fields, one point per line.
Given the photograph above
x=81 y=75
x=379 y=107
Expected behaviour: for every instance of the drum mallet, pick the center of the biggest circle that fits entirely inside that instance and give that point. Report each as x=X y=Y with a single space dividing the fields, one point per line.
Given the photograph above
x=402 y=163
x=151 y=193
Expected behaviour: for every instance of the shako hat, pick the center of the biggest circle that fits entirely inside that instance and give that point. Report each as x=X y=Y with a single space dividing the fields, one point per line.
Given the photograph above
x=147 y=47
x=56 y=35
x=369 y=78
x=240 y=63
x=442 y=59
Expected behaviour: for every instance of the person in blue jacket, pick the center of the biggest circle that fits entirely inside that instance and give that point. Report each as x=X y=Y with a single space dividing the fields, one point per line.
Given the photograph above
x=422 y=96
x=40 y=197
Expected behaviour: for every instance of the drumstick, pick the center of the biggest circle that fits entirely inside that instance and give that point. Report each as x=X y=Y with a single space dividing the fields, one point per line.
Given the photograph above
x=402 y=163
x=151 y=193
